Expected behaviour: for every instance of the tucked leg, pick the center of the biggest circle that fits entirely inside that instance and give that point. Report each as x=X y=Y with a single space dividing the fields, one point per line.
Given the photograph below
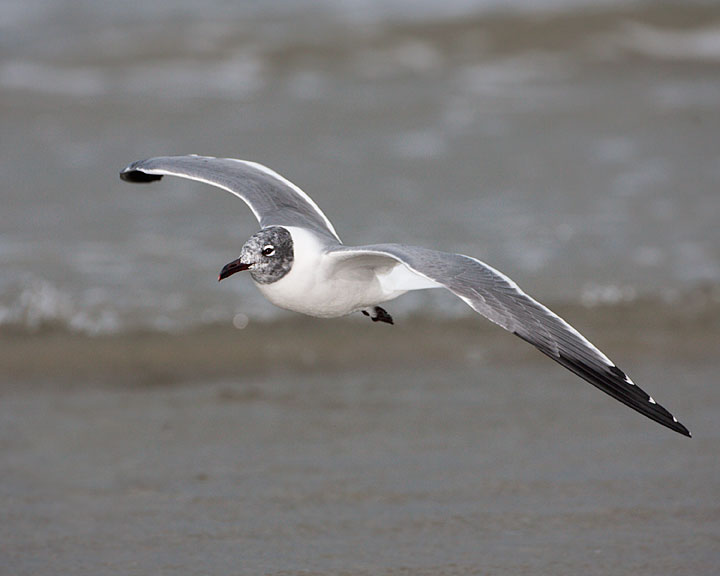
x=378 y=314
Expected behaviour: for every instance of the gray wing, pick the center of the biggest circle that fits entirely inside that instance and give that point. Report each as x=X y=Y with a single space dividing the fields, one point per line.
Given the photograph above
x=274 y=200
x=498 y=298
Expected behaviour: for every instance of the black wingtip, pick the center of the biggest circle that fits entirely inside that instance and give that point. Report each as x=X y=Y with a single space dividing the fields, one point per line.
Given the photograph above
x=614 y=382
x=682 y=430
x=132 y=174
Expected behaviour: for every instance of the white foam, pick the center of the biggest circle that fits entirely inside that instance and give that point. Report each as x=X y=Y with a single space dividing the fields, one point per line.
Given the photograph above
x=235 y=78
x=40 y=303
x=30 y=76
x=604 y=294
x=702 y=44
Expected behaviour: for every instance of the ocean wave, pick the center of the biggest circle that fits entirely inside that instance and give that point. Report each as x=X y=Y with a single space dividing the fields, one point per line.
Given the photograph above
x=38 y=306
x=234 y=58
x=699 y=44
x=234 y=78
x=685 y=329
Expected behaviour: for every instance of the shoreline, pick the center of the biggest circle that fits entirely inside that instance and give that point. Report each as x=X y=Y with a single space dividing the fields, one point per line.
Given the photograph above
x=306 y=345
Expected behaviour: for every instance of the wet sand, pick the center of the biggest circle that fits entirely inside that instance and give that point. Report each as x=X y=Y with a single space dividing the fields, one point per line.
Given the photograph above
x=140 y=433
x=471 y=467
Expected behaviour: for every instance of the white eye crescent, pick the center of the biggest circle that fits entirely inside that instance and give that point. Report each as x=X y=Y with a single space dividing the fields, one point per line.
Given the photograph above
x=268 y=250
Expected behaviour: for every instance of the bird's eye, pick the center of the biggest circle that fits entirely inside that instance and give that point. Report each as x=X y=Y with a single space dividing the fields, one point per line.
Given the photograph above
x=268 y=250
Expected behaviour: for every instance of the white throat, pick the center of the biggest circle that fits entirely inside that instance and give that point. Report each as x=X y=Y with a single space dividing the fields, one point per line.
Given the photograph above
x=312 y=287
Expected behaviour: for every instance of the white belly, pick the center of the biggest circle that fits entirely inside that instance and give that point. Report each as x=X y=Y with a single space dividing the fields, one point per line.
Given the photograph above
x=314 y=287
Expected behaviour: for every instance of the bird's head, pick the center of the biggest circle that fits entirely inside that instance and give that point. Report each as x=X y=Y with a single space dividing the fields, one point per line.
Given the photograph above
x=268 y=255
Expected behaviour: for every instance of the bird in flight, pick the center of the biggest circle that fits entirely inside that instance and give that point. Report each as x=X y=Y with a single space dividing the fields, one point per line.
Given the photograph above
x=299 y=263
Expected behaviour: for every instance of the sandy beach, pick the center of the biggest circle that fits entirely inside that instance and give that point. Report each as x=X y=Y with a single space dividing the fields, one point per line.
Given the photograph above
x=501 y=463
x=155 y=422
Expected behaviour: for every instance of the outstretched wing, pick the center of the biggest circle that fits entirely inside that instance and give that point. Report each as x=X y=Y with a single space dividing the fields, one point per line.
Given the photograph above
x=499 y=299
x=274 y=200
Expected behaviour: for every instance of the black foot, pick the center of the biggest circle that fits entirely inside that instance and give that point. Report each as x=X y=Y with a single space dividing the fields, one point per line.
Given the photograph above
x=379 y=315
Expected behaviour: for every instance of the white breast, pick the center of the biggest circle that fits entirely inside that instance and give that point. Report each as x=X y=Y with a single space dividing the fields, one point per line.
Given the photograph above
x=315 y=287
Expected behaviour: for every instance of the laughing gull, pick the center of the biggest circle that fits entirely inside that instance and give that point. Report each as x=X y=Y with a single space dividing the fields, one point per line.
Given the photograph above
x=299 y=263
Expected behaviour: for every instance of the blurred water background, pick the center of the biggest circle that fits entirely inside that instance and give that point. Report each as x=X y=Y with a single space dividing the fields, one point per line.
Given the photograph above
x=574 y=145
x=577 y=150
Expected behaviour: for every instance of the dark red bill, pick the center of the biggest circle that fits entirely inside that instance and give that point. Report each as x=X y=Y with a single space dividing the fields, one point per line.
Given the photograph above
x=231 y=268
